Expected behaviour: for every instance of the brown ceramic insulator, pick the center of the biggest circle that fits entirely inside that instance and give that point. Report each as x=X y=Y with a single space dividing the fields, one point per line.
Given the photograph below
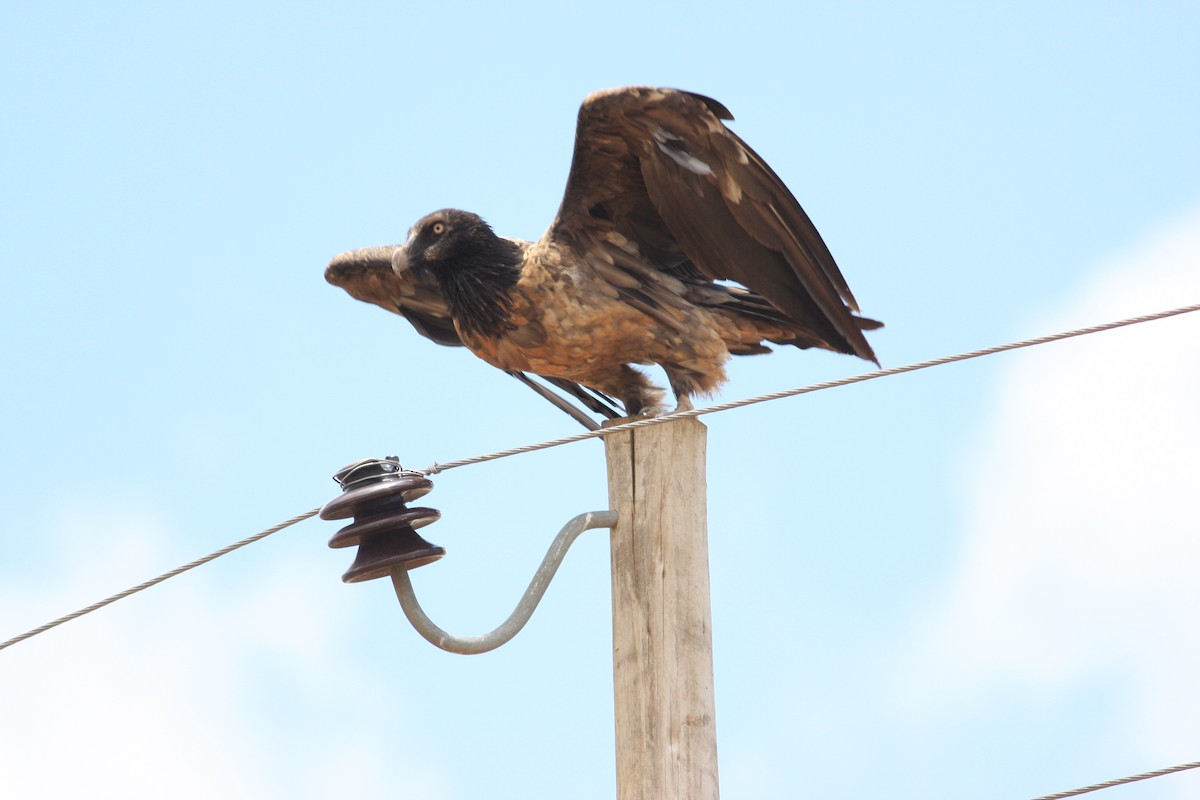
x=375 y=492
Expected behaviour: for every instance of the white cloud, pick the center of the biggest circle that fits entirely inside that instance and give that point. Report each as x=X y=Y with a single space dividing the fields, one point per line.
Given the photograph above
x=1081 y=538
x=202 y=687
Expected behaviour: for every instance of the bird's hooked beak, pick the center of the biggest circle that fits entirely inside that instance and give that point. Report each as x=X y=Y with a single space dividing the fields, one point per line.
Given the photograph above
x=356 y=262
x=400 y=259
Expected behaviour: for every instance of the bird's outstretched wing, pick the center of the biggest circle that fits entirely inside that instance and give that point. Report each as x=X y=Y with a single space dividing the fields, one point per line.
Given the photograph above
x=659 y=167
x=367 y=275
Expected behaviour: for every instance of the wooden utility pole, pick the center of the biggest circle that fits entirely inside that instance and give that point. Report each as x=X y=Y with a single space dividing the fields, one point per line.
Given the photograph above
x=662 y=621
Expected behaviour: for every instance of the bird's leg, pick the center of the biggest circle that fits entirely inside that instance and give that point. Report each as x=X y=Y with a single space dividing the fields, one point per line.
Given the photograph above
x=684 y=383
x=639 y=396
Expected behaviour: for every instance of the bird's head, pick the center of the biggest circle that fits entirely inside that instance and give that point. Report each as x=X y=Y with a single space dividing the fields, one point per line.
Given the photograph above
x=447 y=241
x=474 y=268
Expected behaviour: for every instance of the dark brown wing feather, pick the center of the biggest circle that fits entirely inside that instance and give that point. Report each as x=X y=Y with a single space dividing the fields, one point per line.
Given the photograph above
x=367 y=275
x=660 y=167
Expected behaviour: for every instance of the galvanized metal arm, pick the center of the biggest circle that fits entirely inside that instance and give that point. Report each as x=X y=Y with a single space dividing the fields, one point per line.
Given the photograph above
x=471 y=645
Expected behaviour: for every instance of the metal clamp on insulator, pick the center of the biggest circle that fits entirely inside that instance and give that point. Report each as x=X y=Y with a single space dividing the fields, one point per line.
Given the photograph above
x=375 y=492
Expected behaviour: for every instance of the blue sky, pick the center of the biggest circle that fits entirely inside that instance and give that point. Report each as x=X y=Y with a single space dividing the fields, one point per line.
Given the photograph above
x=976 y=581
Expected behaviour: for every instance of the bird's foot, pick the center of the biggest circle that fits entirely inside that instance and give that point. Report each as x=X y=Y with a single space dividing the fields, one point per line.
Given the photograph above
x=659 y=410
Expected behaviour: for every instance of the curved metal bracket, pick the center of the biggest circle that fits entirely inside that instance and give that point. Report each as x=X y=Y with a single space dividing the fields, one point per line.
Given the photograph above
x=471 y=645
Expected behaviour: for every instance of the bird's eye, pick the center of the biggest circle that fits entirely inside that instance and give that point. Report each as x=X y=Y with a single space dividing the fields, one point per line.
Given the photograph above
x=438 y=228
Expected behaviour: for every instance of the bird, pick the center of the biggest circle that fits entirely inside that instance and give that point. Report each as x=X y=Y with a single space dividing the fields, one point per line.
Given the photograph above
x=675 y=244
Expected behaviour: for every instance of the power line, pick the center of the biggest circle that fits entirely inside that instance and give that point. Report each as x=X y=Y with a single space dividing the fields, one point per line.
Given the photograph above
x=640 y=423
x=816 y=387
x=1158 y=773
x=161 y=578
